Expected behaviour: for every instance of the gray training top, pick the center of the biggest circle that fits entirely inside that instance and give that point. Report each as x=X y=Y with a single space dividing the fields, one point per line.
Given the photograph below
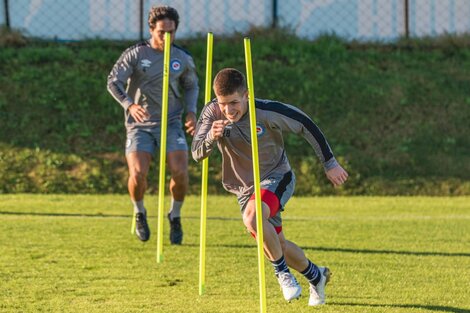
x=140 y=67
x=272 y=119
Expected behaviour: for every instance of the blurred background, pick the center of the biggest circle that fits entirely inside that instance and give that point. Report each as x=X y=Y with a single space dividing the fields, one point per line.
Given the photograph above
x=385 y=20
x=386 y=80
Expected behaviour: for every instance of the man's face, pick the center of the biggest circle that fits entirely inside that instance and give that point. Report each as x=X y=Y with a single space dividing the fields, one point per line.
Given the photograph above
x=158 y=33
x=233 y=106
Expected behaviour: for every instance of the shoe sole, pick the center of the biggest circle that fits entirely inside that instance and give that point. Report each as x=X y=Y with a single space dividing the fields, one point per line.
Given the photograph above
x=298 y=298
x=143 y=239
x=295 y=298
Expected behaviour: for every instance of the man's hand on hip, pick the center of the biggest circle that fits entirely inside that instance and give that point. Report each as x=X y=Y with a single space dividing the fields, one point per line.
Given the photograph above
x=190 y=123
x=138 y=113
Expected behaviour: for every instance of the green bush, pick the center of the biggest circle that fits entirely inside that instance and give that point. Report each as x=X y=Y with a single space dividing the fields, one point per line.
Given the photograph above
x=396 y=116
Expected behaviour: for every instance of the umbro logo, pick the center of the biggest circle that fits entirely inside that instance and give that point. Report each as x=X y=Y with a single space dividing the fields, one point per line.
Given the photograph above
x=145 y=64
x=181 y=141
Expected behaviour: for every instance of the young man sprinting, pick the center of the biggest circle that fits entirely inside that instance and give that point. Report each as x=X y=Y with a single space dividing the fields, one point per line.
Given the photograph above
x=225 y=122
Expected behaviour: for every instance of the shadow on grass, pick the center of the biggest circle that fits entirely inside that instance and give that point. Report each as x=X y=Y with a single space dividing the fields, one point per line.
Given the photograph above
x=99 y=215
x=370 y=251
x=326 y=249
x=437 y=308
x=366 y=251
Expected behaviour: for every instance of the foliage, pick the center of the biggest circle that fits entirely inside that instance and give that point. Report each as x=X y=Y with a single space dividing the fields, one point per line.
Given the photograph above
x=395 y=115
x=11 y=37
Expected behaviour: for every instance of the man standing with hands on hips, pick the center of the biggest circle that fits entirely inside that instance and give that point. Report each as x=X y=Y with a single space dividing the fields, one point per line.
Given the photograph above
x=136 y=83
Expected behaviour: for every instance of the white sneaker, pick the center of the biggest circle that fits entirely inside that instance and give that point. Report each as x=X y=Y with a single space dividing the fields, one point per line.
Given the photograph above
x=317 y=293
x=289 y=285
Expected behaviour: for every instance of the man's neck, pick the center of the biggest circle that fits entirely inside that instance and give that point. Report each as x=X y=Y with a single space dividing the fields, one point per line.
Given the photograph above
x=154 y=46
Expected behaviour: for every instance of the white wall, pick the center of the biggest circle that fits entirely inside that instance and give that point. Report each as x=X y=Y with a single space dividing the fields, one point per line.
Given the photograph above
x=2 y=14
x=351 y=19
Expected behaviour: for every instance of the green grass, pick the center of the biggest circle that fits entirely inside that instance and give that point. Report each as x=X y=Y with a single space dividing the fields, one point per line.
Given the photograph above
x=388 y=254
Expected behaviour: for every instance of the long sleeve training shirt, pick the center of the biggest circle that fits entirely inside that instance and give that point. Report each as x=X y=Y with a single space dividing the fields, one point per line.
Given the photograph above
x=273 y=118
x=140 y=68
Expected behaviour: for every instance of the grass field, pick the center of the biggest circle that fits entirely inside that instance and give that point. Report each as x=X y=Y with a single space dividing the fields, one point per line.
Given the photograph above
x=63 y=253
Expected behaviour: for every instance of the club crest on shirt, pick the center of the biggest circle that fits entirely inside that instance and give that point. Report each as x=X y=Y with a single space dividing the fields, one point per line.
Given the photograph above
x=175 y=65
x=260 y=130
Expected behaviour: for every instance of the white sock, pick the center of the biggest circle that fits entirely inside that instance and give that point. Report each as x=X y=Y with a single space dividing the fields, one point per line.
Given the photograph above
x=139 y=206
x=175 y=208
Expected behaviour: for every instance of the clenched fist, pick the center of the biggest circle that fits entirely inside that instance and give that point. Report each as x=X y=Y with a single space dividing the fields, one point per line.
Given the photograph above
x=217 y=130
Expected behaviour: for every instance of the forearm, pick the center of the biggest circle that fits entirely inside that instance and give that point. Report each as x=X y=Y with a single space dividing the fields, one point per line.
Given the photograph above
x=203 y=147
x=190 y=98
x=208 y=132
x=290 y=119
x=322 y=150
x=117 y=90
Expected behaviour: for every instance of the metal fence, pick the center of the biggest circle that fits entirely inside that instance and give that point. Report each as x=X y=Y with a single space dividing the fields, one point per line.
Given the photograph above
x=363 y=20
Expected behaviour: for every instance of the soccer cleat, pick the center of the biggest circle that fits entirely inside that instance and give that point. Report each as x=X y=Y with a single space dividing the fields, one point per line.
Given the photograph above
x=176 y=231
x=317 y=293
x=141 y=227
x=289 y=285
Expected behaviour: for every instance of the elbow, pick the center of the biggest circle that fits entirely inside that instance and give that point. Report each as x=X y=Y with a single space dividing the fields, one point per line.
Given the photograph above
x=111 y=86
x=198 y=155
x=197 y=159
x=194 y=153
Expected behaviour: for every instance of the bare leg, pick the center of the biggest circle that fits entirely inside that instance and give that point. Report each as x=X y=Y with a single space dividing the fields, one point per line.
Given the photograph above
x=138 y=163
x=295 y=256
x=272 y=244
x=178 y=163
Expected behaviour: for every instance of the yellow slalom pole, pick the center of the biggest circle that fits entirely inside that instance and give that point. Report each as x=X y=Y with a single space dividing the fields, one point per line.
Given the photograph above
x=133 y=224
x=163 y=128
x=256 y=175
x=205 y=171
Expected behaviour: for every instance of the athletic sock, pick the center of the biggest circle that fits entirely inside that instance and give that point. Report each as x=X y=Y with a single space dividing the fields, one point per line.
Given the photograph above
x=312 y=273
x=139 y=206
x=175 y=208
x=280 y=266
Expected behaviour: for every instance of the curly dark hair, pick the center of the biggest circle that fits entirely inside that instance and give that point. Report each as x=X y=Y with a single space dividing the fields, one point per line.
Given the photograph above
x=228 y=81
x=158 y=13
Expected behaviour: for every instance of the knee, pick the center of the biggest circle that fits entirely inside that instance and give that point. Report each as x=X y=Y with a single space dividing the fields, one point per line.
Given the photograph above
x=180 y=176
x=137 y=176
x=249 y=219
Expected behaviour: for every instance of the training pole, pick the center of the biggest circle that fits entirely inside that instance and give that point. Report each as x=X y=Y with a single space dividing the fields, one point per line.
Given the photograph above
x=133 y=224
x=205 y=171
x=256 y=175
x=163 y=127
